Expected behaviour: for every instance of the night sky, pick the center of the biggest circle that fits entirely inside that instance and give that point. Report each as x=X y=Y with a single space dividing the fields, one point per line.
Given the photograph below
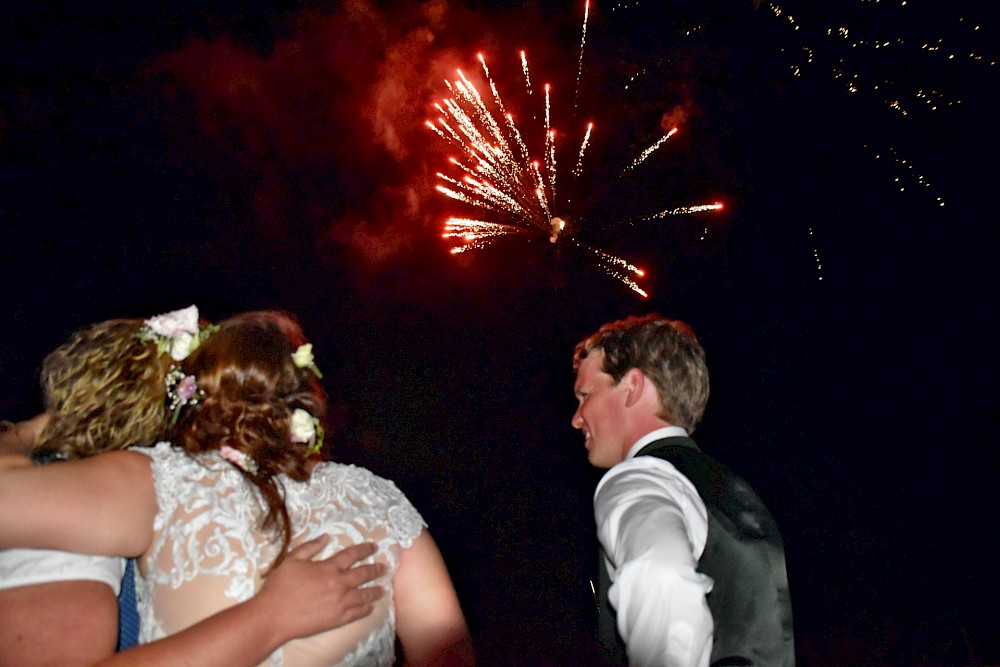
x=274 y=155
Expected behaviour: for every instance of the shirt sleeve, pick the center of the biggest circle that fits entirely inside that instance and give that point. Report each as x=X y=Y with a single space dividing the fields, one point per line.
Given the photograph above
x=26 y=567
x=653 y=525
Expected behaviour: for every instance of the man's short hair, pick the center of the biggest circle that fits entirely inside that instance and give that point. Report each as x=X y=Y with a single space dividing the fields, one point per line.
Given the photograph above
x=666 y=351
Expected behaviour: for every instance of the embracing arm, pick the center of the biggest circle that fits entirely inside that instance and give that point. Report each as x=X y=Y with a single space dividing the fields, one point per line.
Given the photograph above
x=429 y=620
x=66 y=623
x=300 y=598
x=652 y=526
x=69 y=506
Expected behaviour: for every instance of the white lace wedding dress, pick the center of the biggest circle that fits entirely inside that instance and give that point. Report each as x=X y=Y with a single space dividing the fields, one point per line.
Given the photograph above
x=208 y=552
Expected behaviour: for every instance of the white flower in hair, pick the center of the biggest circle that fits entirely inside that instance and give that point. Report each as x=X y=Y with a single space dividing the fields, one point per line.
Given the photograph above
x=181 y=346
x=303 y=426
x=302 y=357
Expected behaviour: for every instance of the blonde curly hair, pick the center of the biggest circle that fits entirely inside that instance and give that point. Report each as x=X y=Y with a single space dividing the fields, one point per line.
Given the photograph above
x=104 y=390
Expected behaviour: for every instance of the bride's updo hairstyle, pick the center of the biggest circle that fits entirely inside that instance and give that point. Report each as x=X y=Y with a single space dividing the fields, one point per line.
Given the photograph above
x=249 y=387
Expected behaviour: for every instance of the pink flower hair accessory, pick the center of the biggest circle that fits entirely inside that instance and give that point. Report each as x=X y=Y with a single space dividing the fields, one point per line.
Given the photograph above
x=181 y=390
x=238 y=459
x=175 y=333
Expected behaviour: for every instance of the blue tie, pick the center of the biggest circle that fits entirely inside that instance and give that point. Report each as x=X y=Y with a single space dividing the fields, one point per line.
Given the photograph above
x=128 y=612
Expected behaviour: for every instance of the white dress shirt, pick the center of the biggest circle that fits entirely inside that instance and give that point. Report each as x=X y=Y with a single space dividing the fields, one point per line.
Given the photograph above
x=653 y=526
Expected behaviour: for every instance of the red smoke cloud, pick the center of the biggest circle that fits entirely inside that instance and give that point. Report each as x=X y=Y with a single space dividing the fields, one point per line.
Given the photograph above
x=325 y=132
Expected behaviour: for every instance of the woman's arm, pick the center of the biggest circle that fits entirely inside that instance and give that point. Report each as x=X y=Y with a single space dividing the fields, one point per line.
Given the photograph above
x=71 y=506
x=66 y=623
x=429 y=620
x=71 y=623
x=300 y=598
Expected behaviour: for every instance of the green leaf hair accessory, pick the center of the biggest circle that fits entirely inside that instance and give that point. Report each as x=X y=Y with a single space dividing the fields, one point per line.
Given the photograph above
x=181 y=390
x=307 y=429
x=303 y=358
x=175 y=333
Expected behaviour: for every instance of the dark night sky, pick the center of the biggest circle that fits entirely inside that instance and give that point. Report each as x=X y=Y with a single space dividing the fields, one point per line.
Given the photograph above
x=275 y=157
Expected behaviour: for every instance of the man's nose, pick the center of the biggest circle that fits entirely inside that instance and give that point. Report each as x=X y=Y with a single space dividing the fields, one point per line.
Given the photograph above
x=577 y=420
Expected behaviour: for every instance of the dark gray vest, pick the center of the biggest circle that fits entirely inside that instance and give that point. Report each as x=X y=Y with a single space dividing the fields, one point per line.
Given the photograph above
x=750 y=604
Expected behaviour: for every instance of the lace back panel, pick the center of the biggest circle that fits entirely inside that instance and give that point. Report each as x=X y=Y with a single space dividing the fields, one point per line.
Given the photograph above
x=209 y=551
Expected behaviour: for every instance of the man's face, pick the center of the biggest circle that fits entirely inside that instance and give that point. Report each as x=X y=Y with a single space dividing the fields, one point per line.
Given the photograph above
x=600 y=414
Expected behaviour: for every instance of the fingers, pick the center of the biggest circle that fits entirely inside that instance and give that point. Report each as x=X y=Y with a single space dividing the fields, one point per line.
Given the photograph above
x=311 y=549
x=359 y=602
x=361 y=574
x=361 y=597
x=345 y=558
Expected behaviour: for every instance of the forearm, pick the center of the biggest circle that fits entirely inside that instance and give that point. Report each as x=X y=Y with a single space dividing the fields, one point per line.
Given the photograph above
x=245 y=634
x=662 y=615
x=658 y=595
x=69 y=506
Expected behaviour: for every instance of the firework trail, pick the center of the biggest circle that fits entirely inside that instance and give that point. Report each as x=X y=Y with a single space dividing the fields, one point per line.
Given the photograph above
x=612 y=265
x=684 y=210
x=578 y=169
x=649 y=151
x=524 y=69
x=497 y=173
x=583 y=43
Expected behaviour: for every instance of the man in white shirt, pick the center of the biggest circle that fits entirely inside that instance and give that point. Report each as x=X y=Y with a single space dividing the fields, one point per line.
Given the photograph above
x=673 y=524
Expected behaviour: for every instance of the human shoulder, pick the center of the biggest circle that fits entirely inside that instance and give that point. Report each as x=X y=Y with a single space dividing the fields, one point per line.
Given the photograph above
x=355 y=477
x=157 y=451
x=647 y=472
x=376 y=495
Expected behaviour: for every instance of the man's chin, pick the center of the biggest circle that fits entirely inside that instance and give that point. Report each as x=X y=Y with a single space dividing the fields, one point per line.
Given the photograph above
x=597 y=461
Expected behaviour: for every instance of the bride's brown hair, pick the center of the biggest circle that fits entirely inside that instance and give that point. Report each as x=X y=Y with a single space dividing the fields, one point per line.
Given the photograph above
x=251 y=388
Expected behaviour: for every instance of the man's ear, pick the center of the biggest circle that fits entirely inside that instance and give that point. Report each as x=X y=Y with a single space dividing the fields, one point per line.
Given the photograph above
x=635 y=384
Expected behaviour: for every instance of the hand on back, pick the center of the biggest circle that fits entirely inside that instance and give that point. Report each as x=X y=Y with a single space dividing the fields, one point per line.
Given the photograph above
x=310 y=596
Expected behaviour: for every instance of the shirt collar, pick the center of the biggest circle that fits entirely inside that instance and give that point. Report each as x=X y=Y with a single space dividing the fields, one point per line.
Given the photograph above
x=658 y=434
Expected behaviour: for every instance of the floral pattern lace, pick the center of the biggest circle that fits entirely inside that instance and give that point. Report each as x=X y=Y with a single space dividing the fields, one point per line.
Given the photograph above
x=209 y=552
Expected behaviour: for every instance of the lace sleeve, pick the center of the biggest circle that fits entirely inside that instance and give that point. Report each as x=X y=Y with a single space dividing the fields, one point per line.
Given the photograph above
x=163 y=478
x=381 y=498
x=404 y=520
